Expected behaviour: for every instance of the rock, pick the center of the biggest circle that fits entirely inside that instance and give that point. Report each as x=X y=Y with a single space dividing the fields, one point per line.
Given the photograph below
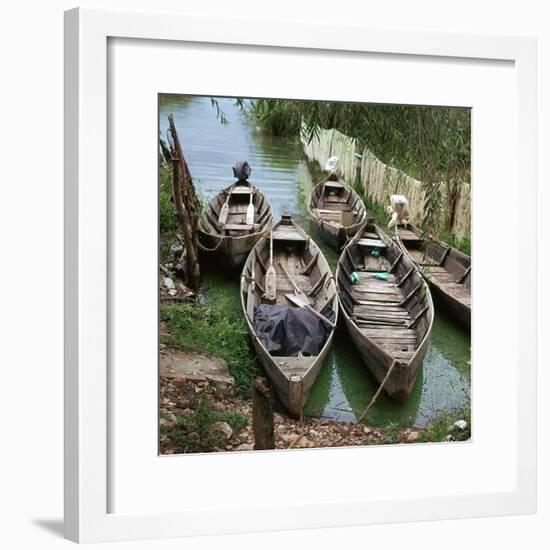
x=278 y=418
x=287 y=438
x=304 y=443
x=176 y=249
x=169 y=284
x=461 y=425
x=449 y=438
x=245 y=447
x=223 y=428
x=195 y=367
x=412 y=436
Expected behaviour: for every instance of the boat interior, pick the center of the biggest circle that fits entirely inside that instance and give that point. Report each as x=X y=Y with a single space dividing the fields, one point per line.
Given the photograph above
x=336 y=203
x=384 y=295
x=447 y=265
x=236 y=224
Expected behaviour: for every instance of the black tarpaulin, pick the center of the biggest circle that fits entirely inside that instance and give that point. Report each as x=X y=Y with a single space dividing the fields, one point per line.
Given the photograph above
x=286 y=331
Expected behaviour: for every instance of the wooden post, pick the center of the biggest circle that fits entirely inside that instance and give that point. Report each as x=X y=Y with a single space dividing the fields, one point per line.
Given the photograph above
x=262 y=415
x=187 y=207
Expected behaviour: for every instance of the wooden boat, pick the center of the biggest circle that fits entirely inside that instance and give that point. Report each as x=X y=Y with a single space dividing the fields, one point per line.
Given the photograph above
x=293 y=251
x=387 y=310
x=231 y=242
x=447 y=270
x=337 y=210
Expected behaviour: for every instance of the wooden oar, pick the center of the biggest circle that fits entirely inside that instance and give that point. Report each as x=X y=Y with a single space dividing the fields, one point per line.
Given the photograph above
x=301 y=300
x=250 y=209
x=224 y=212
x=271 y=275
x=297 y=290
x=298 y=300
x=250 y=299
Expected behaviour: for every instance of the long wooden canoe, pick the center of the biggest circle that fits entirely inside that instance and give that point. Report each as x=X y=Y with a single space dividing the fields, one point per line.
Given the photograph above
x=447 y=270
x=337 y=210
x=231 y=242
x=388 y=310
x=293 y=250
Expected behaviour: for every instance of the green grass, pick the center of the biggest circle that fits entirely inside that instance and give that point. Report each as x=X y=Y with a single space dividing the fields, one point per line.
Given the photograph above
x=193 y=433
x=442 y=426
x=215 y=325
x=436 y=431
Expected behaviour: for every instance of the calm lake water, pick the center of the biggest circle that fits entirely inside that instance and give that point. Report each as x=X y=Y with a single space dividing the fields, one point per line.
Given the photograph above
x=344 y=387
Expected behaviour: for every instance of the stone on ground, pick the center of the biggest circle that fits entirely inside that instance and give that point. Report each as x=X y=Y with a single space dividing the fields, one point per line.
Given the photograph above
x=195 y=367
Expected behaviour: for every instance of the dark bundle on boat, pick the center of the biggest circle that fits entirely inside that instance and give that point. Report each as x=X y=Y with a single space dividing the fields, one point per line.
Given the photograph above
x=337 y=210
x=447 y=270
x=387 y=308
x=291 y=333
x=234 y=220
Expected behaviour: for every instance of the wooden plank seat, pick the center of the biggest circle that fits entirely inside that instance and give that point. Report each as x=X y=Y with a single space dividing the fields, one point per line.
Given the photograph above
x=373 y=243
x=241 y=190
x=238 y=227
x=293 y=365
x=407 y=235
x=281 y=235
x=334 y=185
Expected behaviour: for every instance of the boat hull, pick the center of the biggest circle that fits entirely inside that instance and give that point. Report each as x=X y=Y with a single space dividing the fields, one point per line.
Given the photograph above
x=292 y=377
x=326 y=213
x=227 y=252
x=379 y=314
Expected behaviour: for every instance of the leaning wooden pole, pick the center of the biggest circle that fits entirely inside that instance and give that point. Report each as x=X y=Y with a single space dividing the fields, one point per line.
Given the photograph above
x=187 y=207
x=262 y=415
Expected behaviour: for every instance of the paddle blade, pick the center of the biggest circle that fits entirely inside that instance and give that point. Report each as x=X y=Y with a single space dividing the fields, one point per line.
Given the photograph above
x=271 y=284
x=250 y=214
x=298 y=299
x=224 y=213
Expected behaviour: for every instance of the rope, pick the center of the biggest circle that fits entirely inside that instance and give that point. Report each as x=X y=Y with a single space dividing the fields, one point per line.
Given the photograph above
x=378 y=391
x=206 y=249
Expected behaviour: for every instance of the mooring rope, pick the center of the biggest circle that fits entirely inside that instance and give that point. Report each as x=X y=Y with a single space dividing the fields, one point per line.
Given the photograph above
x=378 y=391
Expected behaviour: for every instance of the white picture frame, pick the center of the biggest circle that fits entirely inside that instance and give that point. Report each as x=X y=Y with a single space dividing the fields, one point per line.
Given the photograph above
x=87 y=216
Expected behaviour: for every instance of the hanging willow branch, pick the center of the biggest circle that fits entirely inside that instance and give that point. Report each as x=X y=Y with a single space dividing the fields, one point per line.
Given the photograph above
x=187 y=208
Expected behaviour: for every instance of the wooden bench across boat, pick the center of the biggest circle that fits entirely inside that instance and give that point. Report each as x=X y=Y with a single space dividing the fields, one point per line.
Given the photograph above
x=337 y=210
x=447 y=270
x=387 y=308
x=297 y=254
x=230 y=242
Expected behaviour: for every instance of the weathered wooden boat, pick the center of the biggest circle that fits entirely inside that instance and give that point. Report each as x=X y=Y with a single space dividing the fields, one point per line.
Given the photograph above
x=231 y=242
x=297 y=261
x=387 y=308
x=447 y=270
x=337 y=210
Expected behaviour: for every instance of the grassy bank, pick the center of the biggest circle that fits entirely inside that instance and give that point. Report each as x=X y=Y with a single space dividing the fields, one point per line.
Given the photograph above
x=214 y=324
